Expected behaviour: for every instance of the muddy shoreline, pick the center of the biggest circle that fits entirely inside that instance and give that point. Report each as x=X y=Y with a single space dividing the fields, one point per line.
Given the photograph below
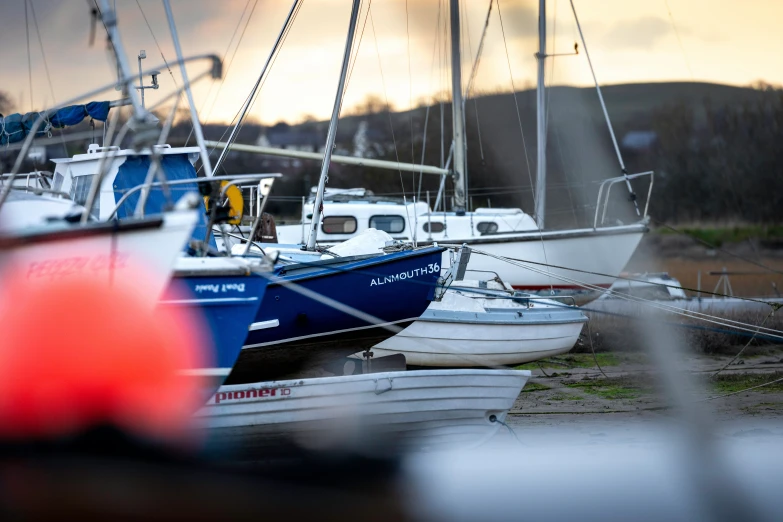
x=569 y=395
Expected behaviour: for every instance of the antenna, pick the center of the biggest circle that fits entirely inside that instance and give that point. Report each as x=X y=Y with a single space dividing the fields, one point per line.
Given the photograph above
x=141 y=87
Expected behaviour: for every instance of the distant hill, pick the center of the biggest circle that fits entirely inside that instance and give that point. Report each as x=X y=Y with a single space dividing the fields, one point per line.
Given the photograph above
x=502 y=156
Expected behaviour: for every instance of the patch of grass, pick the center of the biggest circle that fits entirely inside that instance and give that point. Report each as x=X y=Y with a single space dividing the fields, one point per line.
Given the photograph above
x=586 y=360
x=610 y=389
x=565 y=397
x=576 y=360
x=719 y=235
x=735 y=383
x=534 y=387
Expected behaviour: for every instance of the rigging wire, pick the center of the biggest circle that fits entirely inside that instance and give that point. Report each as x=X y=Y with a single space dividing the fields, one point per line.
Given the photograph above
x=679 y=40
x=157 y=44
x=673 y=309
x=29 y=60
x=464 y=28
x=606 y=114
x=473 y=73
x=240 y=118
x=521 y=131
x=553 y=55
x=263 y=81
x=388 y=108
x=442 y=57
x=410 y=98
x=370 y=319
x=43 y=53
x=771 y=313
x=272 y=63
x=514 y=94
x=61 y=132
x=230 y=61
x=355 y=53
x=435 y=41
x=631 y=279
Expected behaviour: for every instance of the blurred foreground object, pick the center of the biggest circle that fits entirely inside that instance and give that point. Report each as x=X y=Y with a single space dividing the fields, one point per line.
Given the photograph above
x=81 y=352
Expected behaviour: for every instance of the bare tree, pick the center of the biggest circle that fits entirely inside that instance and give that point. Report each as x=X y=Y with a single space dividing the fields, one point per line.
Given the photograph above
x=6 y=105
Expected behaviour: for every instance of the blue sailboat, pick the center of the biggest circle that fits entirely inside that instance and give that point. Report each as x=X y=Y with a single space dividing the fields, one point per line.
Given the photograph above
x=295 y=330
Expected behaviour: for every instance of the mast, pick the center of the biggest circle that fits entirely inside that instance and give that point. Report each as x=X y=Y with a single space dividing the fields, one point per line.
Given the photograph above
x=205 y=162
x=109 y=18
x=540 y=199
x=331 y=135
x=457 y=116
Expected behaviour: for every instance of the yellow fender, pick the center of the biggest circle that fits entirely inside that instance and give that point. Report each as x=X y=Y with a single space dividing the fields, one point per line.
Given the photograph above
x=235 y=202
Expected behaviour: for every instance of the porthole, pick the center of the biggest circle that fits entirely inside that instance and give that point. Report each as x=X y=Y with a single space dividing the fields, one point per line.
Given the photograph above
x=433 y=227
x=389 y=224
x=487 y=227
x=339 y=225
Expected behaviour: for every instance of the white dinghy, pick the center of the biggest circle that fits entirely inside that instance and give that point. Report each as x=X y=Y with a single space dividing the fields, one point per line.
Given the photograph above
x=483 y=323
x=413 y=410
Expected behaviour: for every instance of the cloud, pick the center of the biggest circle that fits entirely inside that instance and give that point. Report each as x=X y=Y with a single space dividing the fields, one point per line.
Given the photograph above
x=638 y=34
x=519 y=19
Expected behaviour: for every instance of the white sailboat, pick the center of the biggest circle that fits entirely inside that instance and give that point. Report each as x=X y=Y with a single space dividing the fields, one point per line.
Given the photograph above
x=600 y=251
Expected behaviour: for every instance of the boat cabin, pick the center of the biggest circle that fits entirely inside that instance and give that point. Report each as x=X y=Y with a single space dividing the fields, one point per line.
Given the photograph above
x=126 y=169
x=348 y=213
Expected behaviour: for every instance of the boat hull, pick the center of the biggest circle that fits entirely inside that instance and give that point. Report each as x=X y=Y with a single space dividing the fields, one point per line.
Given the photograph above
x=128 y=248
x=419 y=410
x=293 y=331
x=225 y=305
x=599 y=255
x=433 y=343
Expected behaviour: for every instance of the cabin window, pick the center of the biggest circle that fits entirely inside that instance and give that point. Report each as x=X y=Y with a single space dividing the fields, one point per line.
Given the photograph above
x=80 y=188
x=389 y=224
x=487 y=227
x=58 y=181
x=339 y=225
x=433 y=227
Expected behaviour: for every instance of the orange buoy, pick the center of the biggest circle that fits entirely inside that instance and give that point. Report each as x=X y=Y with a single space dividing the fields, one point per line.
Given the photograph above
x=81 y=352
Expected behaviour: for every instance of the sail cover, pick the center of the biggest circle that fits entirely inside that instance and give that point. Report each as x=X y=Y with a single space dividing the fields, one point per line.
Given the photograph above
x=133 y=173
x=15 y=127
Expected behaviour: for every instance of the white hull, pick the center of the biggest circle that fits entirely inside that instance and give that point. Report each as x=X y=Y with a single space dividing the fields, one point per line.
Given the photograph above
x=149 y=252
x=604 y=252
x=422 y=410
x=431 y=343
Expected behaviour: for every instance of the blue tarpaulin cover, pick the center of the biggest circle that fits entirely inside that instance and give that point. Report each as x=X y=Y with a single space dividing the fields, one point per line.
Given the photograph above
x=133 y=172
x=15 y=127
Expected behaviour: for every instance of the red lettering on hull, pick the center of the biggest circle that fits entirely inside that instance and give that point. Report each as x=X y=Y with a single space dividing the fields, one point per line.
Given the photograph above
x=252 y=393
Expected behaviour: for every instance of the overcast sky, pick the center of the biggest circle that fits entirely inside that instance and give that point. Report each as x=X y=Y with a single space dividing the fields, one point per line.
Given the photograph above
x=723 y=41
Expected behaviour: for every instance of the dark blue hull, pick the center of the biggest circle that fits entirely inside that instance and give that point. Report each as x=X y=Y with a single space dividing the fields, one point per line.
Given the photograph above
x=227 y=305
x=293 y=331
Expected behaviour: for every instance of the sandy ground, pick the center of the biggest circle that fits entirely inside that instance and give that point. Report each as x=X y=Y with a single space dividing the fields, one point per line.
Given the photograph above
x=570 y=400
